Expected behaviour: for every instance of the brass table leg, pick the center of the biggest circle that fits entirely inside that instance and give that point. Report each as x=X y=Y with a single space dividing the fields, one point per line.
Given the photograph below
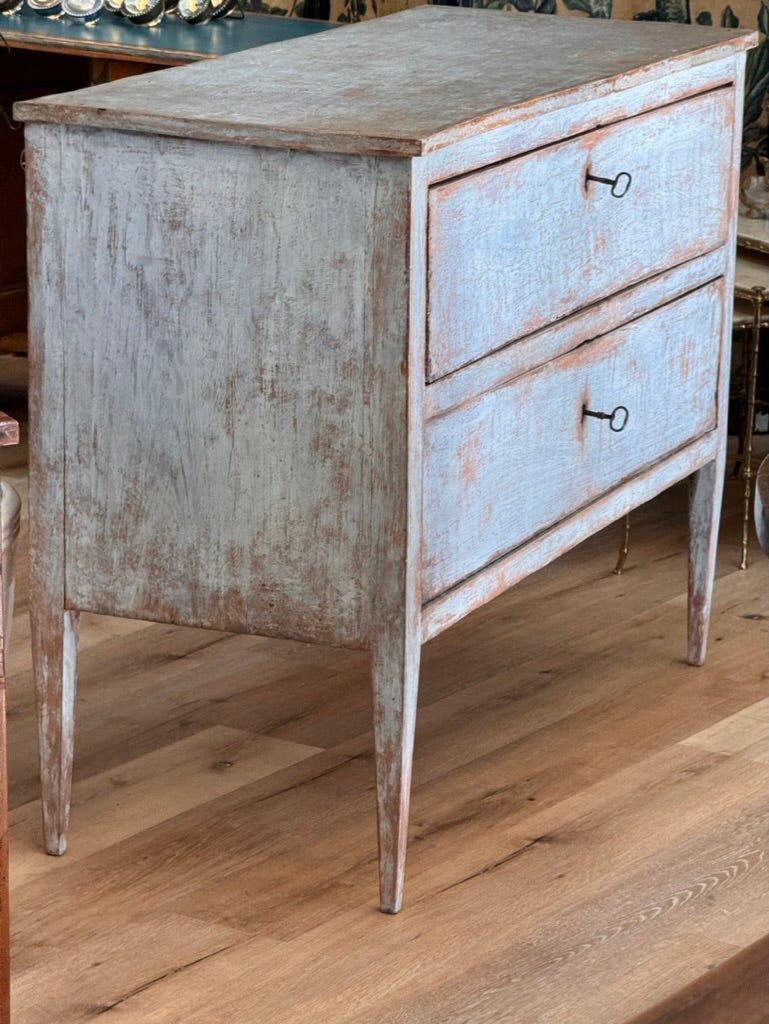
x=757 y=298
x=624 y=543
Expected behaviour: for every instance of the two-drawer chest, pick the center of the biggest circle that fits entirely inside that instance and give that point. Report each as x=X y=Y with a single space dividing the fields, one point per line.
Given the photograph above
x=339 y=339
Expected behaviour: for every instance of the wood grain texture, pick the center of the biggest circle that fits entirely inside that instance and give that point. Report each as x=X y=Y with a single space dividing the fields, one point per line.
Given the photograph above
x=395 y=678
x=520 y=458
x=155 y=786
x=396 y=648
x=584 y=115
x=744 y=734
x=734 y=993
x=238 y=444
x=533 y=239
x=482 y=587
x=452 y=78
x=5 y=966
x=529 y=729
x=559 y=338
x=9 y=434
x=706 y=487
x=54 y=631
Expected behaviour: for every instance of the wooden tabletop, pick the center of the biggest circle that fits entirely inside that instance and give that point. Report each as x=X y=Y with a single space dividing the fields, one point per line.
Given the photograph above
x=9 y=430
x=404 y=84
x=173 y=41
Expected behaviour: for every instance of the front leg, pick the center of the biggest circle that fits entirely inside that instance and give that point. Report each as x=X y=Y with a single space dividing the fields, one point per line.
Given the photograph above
x=705 y=492
x=54 y=634
x=395 y=678
x=54 y=659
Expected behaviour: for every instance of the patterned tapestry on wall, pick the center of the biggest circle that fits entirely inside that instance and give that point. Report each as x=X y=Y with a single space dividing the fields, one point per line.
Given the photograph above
x=736 y=14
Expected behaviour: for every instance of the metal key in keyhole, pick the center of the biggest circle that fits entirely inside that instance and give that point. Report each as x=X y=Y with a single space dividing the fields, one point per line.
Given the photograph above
x=619 y=185
x=617 y=417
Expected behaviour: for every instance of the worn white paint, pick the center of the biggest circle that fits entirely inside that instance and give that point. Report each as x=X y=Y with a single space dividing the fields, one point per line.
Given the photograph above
x=443 y=611
x=411 y=83
x=598 y=109
x=233 y=431
x=521 y=457
x=231 y=421
x=523 y=243
x=559 y=338
x=707 y=484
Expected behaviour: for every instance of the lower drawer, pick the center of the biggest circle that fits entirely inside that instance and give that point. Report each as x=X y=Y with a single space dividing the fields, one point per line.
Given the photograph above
x=516 y=460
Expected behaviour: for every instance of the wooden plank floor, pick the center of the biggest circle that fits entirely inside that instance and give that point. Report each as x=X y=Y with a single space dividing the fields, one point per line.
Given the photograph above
x=588 y=827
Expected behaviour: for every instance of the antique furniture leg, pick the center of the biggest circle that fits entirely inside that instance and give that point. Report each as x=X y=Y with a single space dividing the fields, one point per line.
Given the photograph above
x=705 y=490
x=10 y=515
x=395 y=679
x=10 y=523
x=4 y=916
x=9 y=520
x=54 y=654
x=54 y=629
x=624 y=543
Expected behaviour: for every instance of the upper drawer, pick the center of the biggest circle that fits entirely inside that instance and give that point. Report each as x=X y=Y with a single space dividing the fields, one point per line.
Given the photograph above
x=523 y=243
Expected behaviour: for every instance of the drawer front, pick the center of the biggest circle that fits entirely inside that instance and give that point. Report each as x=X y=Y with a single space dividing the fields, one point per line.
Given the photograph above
x=516 y=246
x=518 y=459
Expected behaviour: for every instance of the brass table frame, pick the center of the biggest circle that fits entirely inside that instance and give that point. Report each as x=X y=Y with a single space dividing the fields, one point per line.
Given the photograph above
x=751 y=282
x=759 y=298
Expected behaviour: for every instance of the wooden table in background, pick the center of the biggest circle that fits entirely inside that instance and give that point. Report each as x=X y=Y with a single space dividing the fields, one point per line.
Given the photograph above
x=49 y=55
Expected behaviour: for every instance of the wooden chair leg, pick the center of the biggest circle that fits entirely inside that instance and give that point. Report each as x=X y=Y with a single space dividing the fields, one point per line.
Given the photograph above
x=705 y=490
x=10 y=516
x=5 y=936
x=10 y=510
x=54 y=656
x=5 y=959
x=395 y=678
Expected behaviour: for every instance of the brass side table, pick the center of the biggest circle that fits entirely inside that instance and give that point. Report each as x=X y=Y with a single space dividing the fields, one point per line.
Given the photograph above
x=751 y=314
x=751 y=291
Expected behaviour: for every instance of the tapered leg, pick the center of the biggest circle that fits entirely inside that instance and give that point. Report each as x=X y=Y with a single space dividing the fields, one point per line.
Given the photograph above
x=54 y=655
x=705 y=491
x=395 y=676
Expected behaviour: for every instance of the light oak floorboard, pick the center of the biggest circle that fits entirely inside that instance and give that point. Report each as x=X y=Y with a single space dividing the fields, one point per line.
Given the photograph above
x=745 y=734
x=588 y=828
x=150 y=789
